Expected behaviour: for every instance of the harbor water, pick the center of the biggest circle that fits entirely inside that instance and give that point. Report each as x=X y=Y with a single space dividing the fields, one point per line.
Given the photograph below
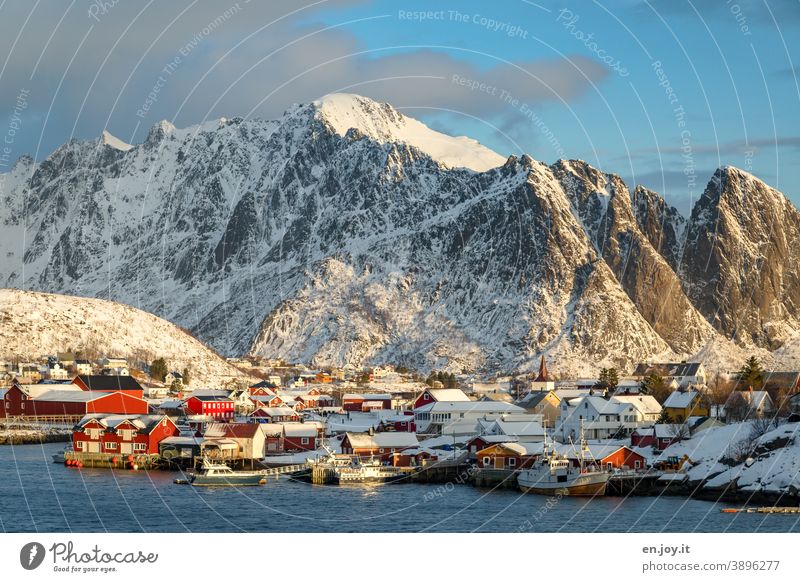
x=37 y=495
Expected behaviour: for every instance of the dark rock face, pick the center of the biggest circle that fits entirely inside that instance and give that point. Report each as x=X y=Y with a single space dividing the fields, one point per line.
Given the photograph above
x=661 y=223
x=602 y=204
x=292 y=239
x=740 y=262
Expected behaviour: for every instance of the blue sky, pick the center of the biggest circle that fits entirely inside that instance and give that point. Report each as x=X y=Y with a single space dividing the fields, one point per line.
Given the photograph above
x=659 y=91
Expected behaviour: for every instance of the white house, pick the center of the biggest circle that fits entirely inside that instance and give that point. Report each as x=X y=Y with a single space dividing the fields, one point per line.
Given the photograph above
x=646 y=406
x=600 y=418
x=83 y=367
x=445 y=417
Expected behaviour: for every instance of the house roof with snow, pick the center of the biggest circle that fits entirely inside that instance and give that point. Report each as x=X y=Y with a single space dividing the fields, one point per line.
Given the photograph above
x=299 y=429
x=516 y=429
x=482 y=407
x=70 y=396
x=142 y=422
x=448 y=395
x=644 y=403
x=382 y=440
x=680 y=399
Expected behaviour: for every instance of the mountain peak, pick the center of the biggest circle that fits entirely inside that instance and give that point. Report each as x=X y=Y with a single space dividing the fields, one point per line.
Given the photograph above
x=383 y=123
x=159 y=131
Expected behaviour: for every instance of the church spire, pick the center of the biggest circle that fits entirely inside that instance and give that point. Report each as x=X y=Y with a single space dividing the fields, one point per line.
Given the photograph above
x=544 y=375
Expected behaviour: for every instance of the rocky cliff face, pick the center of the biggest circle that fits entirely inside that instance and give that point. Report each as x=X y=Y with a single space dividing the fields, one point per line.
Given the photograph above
x=740 y=262
x=346 y=233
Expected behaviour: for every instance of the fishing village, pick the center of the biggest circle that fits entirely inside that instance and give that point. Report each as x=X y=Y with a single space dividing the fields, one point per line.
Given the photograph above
x=665 y=428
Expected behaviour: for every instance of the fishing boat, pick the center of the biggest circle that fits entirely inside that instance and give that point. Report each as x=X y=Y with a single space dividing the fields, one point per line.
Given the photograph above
x=351 y=469
x=219 y=475
x=555 y=474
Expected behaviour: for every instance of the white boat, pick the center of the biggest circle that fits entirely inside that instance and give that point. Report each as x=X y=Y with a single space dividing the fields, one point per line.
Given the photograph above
x=220 y=475
x=347 y=469
x=555 y=474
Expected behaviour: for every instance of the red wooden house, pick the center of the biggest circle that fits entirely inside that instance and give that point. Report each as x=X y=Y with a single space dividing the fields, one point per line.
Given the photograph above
x=300 y=436
x=126 y=384
x=431 y=395
x=278 y=414
x=122 y=434
x=362 y=402
x=658 y=436
x=40 y=400
x=399 y=423
x=484 y=441
x=512 y=456
x=217 y=407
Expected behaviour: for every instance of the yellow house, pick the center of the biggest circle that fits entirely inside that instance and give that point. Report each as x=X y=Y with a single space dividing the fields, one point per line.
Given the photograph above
x=680 y=405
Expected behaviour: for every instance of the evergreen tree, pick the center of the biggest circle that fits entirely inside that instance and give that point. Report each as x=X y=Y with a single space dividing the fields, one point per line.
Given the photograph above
x=751 y=373
x=608 y=379
x=186 y=376
x=158 y=369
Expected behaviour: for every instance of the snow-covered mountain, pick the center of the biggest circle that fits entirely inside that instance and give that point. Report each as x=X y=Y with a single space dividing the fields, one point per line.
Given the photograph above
x=36 y=324
x=347 y=233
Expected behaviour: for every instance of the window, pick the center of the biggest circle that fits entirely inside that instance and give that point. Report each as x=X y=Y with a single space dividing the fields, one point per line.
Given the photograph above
x=79 y=445
x=637 y=464
x=487 y=462
x=381 y=450
x=512 y=462
x=304 y=441
x=139 y=446
x=110 y=446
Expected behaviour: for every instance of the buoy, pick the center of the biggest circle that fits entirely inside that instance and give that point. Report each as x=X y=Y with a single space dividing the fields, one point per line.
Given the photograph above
x=114 y=460
x=130 y=458
x=136 y=467
x=80 y=465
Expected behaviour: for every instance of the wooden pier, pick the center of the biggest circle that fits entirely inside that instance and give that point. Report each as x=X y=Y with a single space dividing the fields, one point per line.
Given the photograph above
x=111 y=461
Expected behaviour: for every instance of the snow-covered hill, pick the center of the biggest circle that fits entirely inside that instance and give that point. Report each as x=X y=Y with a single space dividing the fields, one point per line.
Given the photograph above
x=37 y=324
x=347 y=233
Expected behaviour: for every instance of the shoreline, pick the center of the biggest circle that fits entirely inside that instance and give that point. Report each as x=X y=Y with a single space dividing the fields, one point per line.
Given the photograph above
x=28 y=437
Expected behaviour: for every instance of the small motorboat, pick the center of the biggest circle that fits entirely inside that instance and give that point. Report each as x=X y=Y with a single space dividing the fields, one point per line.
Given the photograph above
x=60 y=457
x=219 y=475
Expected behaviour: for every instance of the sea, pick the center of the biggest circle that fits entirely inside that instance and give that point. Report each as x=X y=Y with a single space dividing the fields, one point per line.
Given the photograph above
x=38 y=495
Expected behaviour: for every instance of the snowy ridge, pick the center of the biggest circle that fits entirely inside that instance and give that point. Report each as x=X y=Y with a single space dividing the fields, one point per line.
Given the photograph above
x=37 y=324
x=384 y=124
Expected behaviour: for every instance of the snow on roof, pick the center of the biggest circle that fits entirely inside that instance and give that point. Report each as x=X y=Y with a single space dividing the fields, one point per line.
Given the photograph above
x=523 y=449
x=644 y=403
x=479 y=407
x=299 y=429
x=530 y=428
x=383 y=440
x=680 y=399
x=70 y=396
x=384 y=124
x=448 y=395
